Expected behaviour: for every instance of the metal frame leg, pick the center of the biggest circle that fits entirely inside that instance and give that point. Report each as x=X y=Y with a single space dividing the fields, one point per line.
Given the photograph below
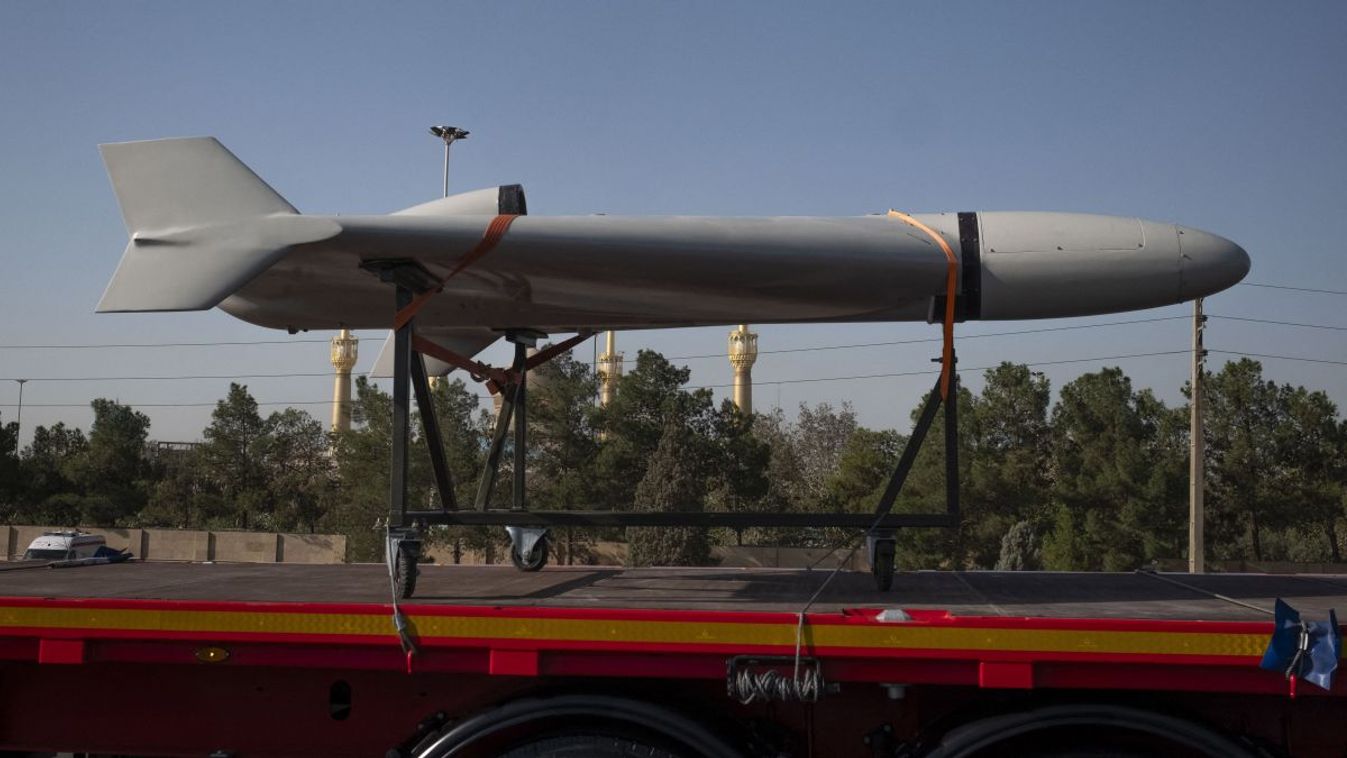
x=430 y=423
x=402 y=347
x=513 y=398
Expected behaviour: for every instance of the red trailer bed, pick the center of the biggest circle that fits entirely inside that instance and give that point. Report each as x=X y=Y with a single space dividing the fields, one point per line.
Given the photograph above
x=186 y=659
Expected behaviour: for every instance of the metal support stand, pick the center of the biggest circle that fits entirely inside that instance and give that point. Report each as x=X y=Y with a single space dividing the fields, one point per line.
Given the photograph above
x=529 y=529
x=879 y=540
x=528 y=546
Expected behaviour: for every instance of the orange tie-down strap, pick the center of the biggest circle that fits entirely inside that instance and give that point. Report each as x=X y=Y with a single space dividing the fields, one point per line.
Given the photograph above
x=495 y=378
x=494 y=232
x=951 y=279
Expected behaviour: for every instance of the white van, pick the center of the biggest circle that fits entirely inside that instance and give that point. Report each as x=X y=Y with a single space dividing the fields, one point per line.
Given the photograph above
x=64 y=546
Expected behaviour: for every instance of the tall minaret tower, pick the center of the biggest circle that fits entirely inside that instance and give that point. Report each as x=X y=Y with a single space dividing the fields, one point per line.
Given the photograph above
x=609 y=369
x=743 y=353
x=344 y=349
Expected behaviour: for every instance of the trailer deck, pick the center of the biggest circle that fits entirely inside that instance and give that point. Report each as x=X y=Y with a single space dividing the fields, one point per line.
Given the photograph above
x=275 y=636
x=1138 y=595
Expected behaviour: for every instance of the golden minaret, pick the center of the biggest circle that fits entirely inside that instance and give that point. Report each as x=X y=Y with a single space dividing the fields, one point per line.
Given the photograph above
x=743 y=353
x=344 y=349
x=609 y=369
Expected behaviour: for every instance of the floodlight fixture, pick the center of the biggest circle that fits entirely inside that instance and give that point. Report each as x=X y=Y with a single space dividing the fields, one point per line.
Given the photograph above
x=449 y=134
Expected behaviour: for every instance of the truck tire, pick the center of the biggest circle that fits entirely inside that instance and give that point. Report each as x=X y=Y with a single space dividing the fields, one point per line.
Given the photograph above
x=586 y=745
x=1088 y=731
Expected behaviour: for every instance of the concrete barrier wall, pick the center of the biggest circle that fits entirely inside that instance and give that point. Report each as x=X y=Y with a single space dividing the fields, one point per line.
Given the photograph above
x=194 y=545
x=311 y=548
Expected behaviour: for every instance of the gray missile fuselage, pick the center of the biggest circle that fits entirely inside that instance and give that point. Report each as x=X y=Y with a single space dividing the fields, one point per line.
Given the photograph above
x=206 y=231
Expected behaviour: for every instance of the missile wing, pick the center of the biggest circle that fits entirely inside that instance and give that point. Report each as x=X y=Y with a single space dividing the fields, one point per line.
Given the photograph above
x=207 y=232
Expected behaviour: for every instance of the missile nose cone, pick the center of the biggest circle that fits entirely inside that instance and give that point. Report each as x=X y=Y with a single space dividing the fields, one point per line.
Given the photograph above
x=1209 y=263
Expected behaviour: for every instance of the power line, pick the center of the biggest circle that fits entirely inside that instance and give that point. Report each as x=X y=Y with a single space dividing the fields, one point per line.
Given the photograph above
x=1280 y=357
x=937 y=371
x=164 y=378
x=163 y=344
x=480 y=398
x=921 y=340
x=805 y=380
x=1280 y=323
x=1296 y=289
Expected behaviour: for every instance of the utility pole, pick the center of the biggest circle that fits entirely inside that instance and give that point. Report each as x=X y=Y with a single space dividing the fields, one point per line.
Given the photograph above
x=18 y=420
x=1197 y=468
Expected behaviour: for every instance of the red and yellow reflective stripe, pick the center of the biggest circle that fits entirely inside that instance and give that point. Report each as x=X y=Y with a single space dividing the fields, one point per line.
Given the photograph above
x=446 y=629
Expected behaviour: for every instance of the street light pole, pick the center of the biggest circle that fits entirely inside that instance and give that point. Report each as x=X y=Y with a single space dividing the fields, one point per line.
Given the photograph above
x=449 y=134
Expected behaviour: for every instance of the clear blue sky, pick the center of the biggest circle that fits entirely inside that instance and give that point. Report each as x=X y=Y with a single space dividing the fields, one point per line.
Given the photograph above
x=1226 y=116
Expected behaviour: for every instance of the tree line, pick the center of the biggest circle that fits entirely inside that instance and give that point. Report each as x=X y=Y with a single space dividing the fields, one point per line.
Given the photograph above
x=1097 y=480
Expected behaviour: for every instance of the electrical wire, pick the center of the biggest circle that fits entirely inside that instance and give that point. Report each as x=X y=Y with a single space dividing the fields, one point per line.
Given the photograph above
x=1279 y=323
x=804 y=380
x=184 y=378
x=1279 y=357
x=165 y=344
x=1295 y=289
x=922 y=340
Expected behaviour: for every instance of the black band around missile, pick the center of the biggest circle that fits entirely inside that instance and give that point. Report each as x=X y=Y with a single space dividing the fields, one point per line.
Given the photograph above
x=510 y=200
x=970 y=265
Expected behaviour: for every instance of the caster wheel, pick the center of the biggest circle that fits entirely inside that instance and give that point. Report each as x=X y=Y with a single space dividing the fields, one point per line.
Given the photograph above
x=405 y=571
x=535 y=560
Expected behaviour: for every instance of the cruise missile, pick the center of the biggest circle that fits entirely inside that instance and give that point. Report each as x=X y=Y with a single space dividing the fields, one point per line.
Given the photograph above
x=206 y=232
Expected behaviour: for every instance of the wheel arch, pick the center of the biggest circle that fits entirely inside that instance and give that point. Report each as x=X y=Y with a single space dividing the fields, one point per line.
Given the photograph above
x=614 y=711
x=992 y=732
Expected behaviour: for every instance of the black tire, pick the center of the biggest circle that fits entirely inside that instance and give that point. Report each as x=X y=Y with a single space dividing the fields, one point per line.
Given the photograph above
x=1088 y=731
x=405 y=571
x=536 y=559
x=587 y=745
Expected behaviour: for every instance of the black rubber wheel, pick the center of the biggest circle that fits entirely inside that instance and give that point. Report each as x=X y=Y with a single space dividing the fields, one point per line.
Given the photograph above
x=586 y=745
x=883 y=569
x=536 y=559
x=1088 y=731
x=405 y=571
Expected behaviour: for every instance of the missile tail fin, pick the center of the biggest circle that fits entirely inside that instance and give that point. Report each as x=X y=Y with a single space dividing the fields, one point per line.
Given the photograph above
x=202 y=224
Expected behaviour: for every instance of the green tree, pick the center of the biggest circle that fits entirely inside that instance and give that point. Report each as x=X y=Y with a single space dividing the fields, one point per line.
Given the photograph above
x=231 y=457
x=740 y=461
x=11 y=477
x=362 y=455
x=648 y=399
x=675 y=480
x=1010 y=455
x=1312 y=453
x=563 y=443
x=1108 y=498
x=49 y=493
x=1020 y=550
x=1245 y=421
x=112 y=471
x=293 y=453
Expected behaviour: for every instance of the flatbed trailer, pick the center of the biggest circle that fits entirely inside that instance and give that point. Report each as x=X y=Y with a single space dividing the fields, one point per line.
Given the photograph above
x=250 y=660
